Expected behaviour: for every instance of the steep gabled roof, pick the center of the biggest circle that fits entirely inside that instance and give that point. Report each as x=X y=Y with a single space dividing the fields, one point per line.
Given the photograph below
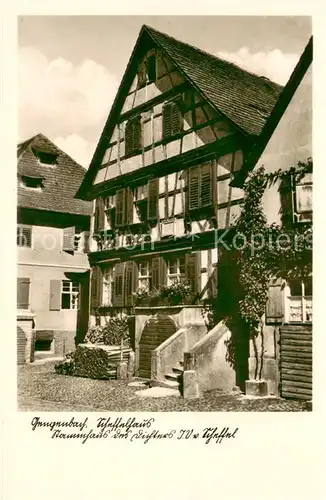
x=60 y=181
x=276 y=115
x=243 y=97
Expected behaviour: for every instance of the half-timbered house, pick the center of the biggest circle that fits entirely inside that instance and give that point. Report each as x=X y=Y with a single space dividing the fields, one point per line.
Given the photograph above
x=179 y=129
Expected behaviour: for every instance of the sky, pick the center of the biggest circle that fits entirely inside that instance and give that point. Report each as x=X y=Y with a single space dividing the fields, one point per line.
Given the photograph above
x=70 y=67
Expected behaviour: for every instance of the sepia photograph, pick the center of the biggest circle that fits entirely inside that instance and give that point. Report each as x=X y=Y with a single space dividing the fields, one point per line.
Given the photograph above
x=164 y=214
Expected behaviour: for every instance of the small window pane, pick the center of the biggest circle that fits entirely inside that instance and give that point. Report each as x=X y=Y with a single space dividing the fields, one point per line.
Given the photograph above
x=65 y=301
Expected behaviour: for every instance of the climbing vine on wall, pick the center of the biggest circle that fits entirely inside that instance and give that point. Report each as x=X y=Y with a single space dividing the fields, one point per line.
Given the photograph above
x=261 y=251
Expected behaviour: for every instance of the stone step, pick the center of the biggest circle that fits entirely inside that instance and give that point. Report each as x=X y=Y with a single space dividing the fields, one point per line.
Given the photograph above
x=172 y=376
x=178 y=370
x=169 y=384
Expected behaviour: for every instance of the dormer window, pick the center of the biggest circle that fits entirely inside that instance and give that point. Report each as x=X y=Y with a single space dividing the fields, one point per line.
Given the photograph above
x=46 y=158
x=32 y=182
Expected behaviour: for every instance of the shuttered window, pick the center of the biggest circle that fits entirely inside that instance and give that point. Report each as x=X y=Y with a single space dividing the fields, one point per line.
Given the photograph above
x=24 y=236
x=133 y=136
x=23 y=285
x=124 y=212
x=68 y=239
x=172 y=119
x=200 y=186
x=152 y=205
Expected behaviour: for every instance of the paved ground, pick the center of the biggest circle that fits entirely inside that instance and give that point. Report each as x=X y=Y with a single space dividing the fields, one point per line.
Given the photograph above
x=41 y=389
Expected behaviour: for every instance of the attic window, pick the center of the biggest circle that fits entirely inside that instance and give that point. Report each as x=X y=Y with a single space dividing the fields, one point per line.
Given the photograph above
x=46 y=158
x=151 y=69
x=32 y=182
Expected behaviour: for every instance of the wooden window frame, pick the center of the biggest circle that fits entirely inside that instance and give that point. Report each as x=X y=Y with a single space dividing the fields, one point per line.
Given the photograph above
x=144 y=278
x=300 y=216
x=178 y=276
x=74 y=295
x=302 y=300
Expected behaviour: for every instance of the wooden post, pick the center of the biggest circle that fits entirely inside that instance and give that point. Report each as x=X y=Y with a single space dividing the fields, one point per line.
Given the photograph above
x=121 y=350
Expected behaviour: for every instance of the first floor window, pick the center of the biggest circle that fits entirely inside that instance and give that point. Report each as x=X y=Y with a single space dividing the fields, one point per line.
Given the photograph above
x=70 y=294
x=144 y=275
x=176 y=269
x=300 y=300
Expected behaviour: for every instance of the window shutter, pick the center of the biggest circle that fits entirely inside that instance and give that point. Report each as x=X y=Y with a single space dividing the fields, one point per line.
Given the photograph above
x=55 y=295
x=206 y=184
x=23 y=293
x=153 y=188
x=175 y=119
x=159 y=271
x=68 y=239
x=193 y=188
x=130 y=282
x=120 y=208
x=274 y=304
x=99 y=215
x=129 y=138
x=172 y=119
x=133 y=135
x=166 y=116
x=193 y=263
x=118 y=298
x=129 y=196
x=136 y=134
x=86 y=241
x=101 y=206
x=287 y=198
x=96 y=287
x=24 y=236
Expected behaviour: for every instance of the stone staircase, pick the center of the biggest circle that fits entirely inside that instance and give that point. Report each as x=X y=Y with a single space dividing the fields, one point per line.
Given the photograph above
x=171 y=380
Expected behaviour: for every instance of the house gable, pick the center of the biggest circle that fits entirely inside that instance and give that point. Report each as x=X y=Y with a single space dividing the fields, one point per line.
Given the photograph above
x=242 y=101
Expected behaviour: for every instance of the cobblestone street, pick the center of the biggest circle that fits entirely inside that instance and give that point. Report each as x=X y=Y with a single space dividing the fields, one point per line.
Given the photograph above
x=41 y=389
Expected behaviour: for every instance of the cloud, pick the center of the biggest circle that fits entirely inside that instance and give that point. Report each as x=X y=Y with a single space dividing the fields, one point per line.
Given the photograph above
x=275 y=64
x=62 y=99
x=77 y=147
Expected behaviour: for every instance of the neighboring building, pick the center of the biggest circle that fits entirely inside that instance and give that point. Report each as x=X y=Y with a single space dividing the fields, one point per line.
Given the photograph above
x=52 y=242
x=180 y=126
x=285 y=140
